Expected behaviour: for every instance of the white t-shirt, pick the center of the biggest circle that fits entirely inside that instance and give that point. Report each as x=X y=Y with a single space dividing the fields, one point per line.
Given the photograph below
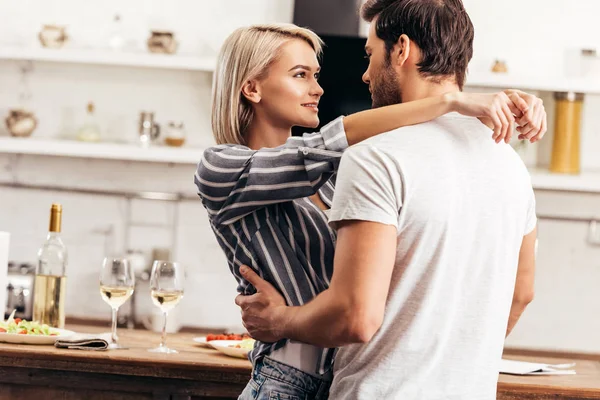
x=461 y=205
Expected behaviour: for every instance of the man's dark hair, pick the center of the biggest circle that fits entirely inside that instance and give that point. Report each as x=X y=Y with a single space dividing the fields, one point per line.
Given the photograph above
x=441 y=28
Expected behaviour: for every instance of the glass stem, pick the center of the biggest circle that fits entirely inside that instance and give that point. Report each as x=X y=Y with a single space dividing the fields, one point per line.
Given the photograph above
x=114 y=325
x=163 y=338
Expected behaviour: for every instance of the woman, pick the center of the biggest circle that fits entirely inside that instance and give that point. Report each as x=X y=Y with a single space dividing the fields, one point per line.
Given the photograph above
x=266 y=192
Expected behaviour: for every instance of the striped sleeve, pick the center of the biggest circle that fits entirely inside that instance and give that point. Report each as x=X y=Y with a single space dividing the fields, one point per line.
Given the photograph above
x=233 y=180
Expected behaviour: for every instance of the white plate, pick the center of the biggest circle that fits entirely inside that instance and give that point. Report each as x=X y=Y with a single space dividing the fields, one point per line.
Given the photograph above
x=35 y=339
x=201 y=340
x=224 y=346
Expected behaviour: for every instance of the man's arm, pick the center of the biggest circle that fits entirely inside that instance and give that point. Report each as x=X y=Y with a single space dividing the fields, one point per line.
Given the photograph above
x=350 y=311
x=524 y=285
x=365 y=210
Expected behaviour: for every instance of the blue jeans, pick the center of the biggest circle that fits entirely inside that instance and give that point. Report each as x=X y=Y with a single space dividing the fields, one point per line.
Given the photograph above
x=272 y=380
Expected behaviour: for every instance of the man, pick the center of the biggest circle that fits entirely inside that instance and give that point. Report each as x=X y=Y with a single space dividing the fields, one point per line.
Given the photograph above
x=435 y=250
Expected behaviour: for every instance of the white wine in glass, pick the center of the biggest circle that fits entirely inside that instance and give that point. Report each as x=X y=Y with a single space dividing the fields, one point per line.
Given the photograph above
x=166 y=289
x=117 y=282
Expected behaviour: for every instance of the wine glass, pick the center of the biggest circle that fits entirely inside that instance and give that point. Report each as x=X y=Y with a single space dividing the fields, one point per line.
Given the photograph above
x=166 y=289
x=116 y=286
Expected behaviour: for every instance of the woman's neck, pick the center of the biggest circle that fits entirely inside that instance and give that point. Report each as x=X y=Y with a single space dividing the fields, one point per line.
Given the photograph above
x=262 y=133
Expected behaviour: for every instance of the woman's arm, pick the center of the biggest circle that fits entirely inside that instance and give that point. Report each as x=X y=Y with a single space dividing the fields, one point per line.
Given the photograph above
x=233 y=180
x=365 y=124
x=500 y=110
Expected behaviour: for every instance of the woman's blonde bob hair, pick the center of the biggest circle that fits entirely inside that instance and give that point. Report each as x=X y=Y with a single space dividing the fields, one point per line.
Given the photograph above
x=246 y=55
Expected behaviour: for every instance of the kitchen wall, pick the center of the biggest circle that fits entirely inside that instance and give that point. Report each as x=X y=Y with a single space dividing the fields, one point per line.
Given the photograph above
x=540 y=38
x=525 y=34
x=94 y=225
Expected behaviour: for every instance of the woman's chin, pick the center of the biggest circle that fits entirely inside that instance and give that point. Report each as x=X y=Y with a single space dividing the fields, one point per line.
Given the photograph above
x=313 y=124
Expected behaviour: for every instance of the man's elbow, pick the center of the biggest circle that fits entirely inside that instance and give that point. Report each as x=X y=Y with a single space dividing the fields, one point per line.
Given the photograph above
x=363 y=326
x=523 y=298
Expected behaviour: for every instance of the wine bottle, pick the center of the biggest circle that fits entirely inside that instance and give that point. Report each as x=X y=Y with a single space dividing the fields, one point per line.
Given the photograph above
x=50 y=276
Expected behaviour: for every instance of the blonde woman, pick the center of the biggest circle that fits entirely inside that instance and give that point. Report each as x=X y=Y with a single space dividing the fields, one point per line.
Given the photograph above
x=267 y=193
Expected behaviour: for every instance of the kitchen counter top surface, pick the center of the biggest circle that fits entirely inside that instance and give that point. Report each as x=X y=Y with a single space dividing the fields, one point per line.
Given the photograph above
x=196 y=371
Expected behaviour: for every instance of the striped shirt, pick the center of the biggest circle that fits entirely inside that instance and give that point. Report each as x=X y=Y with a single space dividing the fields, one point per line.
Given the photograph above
x=258 y=207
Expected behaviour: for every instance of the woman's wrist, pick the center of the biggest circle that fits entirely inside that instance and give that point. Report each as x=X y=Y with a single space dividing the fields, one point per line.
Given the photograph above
x=452 y=100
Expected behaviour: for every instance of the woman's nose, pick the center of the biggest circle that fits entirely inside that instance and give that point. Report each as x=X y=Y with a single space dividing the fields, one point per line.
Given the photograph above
x=317 y=90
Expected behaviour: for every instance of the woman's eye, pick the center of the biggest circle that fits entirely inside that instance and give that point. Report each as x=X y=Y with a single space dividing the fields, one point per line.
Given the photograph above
x=300 y=75
x=317 y=75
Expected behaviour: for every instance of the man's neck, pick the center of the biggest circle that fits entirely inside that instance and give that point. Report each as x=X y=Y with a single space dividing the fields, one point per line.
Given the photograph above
x=423 y=89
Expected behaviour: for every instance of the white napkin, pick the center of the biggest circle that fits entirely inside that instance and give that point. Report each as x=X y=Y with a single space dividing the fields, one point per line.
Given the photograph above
x=83 y=341
x=513 y=367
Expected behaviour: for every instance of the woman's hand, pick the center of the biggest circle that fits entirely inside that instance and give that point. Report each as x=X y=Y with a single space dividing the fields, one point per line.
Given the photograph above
x=501 y=110
x=532 y=124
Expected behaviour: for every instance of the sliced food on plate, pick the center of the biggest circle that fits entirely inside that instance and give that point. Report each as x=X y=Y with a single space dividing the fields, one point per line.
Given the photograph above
x=234 y=348
x=17 y=330
x=204 y=341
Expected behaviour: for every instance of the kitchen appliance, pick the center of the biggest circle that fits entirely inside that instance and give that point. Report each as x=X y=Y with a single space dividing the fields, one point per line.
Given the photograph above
x=19 y=290
x=148 y=129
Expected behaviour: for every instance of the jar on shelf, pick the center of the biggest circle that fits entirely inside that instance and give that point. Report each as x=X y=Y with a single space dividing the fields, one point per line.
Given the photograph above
x=175 y=134
x=566 y=145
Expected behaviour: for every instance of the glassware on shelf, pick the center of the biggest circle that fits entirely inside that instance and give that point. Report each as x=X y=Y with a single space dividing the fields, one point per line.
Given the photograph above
x=166 y=289
x=90 y=130
x=175 y=134
x=117 y=282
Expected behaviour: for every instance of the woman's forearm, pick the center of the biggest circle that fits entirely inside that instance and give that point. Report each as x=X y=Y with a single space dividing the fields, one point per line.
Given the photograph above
x=365 y=124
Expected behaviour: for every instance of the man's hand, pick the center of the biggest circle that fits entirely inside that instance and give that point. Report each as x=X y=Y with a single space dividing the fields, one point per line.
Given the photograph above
x=263 y=313
x=532 y=125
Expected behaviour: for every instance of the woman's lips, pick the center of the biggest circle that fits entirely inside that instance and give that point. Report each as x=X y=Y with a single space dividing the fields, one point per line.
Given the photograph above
x=312 y=106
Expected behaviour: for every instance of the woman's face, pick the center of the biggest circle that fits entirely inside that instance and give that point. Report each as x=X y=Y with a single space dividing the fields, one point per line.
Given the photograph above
x=290 y=93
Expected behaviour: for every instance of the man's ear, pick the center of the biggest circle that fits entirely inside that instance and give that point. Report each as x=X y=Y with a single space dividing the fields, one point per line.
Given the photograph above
x=251 y=91
x=401 y=51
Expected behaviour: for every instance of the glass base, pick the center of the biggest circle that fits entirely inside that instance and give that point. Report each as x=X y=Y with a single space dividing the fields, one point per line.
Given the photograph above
x=162 y=349
x=115 y=346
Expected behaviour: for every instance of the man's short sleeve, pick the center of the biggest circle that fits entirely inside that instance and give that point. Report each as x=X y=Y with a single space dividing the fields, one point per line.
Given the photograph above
x=531 y=221
x=368 y=188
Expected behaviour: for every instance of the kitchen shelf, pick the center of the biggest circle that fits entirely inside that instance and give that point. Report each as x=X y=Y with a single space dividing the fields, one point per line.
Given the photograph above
x=541 y=179
x=544 y=84
x=587 y=181
x=107 y=57
x=107 y=151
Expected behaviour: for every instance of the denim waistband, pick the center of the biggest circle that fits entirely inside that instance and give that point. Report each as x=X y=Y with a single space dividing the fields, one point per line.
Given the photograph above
x=293 y=376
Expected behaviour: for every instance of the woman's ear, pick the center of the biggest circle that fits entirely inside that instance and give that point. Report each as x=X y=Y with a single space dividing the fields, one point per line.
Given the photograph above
x=251 y=91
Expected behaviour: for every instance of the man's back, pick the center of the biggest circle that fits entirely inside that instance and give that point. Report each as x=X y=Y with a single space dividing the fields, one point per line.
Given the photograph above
x=463 y=205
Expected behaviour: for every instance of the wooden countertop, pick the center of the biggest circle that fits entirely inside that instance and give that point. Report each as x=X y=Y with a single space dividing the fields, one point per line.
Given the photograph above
x=136 y=358
x=194 y=371
x=225 y=376
x=584 y=385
